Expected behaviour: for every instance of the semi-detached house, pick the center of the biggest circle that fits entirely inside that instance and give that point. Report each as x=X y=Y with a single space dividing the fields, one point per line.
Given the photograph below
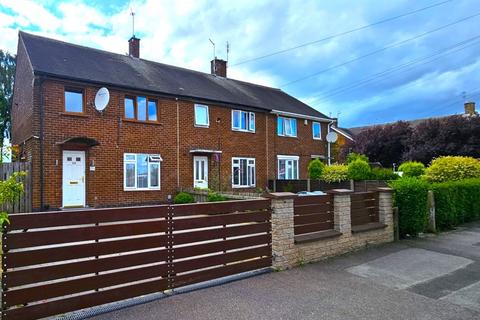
x=164 y=127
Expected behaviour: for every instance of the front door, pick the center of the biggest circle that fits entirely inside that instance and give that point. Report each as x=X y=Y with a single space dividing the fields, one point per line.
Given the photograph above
x=73 y=178
x=200 y=172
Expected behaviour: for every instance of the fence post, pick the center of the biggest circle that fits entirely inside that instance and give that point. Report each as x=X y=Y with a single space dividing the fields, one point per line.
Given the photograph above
x=342 y=219
x=283 y=237
x=385 y=206
x=308 y=185
x=432 y=226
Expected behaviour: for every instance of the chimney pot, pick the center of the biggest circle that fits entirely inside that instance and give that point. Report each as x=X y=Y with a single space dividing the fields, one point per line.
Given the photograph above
x=470 y=108
x=134 y=47
x=218 y=67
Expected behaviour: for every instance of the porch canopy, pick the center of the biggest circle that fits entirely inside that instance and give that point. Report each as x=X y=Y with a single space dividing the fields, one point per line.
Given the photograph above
x=199 y=150
x=83 y=141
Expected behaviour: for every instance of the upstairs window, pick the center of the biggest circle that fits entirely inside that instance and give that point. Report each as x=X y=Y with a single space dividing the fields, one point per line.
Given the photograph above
x=74 y=100
x=287 y=127
x=201 y=115
x=317 y=131
x=141 y=171
x=243 y=121
x=141 y=109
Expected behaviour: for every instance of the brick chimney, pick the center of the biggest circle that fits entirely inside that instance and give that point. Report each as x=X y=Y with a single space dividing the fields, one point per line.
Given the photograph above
x=219 y=67
x=470 y=109
x=134 y=47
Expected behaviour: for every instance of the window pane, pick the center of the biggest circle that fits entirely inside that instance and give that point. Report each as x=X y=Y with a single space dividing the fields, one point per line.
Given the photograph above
x=280 y=126
x=201 y=115
x=281 y=169
x=129 y=108
x=152 y=110
x=294 y=169
x=73 y=101
x=288 y=128
x=142 y=108
x=236 y=119
x=293 y=124
x=236 y=175
x=130 y=157
x=154 y=175
x=243 y=172
x=130 y=175
x=243 y=124
x=316 y=130
x=142 y=171
x=252 y=122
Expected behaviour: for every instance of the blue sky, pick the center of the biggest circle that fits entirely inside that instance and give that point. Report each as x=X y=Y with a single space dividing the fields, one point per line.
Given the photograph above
x=411 y=79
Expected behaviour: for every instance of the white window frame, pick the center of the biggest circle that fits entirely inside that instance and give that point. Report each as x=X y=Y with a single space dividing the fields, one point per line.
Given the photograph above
x=284 y=131
x=202 y=125
x=290 y=159
x=319 y=130
x=250 y=123
x=251 y=180
x=152 y=158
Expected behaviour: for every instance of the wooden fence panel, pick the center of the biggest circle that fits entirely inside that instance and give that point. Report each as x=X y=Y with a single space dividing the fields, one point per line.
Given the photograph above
x=58 y=262
x=312 y=214
x=24 y=203
x=364 y=208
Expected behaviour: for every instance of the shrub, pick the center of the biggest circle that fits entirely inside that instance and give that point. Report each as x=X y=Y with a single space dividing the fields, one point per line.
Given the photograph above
x=315 y=169
x=183 y=197
x=359 y=170
x=410 y=196
x=353 y=156
x=335 y=173
x=383 y=174
x=452 y=168
x=10 y=190
x=456 y=202
x=214 y=197
x=412 y=169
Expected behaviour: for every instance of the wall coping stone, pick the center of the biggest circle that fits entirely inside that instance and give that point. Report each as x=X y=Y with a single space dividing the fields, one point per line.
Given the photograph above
x=280 y=195
x=385 y=189
x=339 y=191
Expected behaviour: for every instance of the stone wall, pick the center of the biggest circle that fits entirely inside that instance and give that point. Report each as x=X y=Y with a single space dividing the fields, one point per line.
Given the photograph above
x=287 y=253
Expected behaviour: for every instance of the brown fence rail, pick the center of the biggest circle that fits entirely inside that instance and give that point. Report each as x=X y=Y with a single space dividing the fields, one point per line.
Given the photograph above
x=364 y=208
x=58 y=262
x=24 y=203
x=312 y=214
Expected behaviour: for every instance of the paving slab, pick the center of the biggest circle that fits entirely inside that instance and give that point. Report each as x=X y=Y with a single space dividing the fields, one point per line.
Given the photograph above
x=468 y=297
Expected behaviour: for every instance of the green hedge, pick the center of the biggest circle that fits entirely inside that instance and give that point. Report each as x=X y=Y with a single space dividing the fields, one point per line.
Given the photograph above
x=456 y=202
x=183 y=197
x=410 y=196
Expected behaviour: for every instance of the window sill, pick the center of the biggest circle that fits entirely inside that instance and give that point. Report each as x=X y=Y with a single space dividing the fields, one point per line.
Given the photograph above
x=74 y=114
x=295 y=137
x=242 y=131
x=127 y=190
x=243 y=187
x=143 y=122
x=201 y=126
x=318 y=139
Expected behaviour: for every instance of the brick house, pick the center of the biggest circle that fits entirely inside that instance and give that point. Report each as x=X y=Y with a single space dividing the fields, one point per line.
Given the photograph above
x=164 y=127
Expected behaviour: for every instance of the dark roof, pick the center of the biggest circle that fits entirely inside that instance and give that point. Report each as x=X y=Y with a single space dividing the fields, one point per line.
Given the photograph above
x=65 y=60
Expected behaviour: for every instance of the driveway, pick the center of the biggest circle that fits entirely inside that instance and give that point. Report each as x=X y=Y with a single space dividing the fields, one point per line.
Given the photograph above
x=436 y=277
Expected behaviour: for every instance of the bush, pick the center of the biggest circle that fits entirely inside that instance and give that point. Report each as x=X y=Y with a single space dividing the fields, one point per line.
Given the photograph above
x=183 y=197
x=452 y=168
x=359 y=170
x=335 y=173
x=410 y=196
x=383 y=174
x=456 y=202
x=353 y=156
x=412 y=169
x=214 y=197
x=315 y=169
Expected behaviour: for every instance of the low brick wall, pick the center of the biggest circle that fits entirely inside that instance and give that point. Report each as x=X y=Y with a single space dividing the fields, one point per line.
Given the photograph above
x=287 y=253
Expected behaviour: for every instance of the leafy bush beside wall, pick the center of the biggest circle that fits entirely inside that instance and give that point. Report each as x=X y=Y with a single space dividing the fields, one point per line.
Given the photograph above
x=412 y=169
x=353 y=156
x=452 y=168
x=335 y=173
x=359 y=170
x=183 y=197
x=315 y=169
x=383 y=174
x=214 y=197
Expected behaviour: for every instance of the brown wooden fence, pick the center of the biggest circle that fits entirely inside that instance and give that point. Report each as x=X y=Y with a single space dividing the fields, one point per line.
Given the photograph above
x=24 y=203
x=364 y=209
x=312 y=215
x=57 y=262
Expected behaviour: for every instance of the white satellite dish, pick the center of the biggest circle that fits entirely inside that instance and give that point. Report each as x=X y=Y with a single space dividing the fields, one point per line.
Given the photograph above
x=101 y=99
x=332 y=137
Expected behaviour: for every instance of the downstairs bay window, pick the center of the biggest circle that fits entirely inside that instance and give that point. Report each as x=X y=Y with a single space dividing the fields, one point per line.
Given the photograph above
x=243 y=172
x=287 y=167
x=141 y=171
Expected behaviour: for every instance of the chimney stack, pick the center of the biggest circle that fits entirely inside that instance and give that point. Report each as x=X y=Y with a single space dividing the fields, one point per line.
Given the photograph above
x=218 y=67
x=134 y=47
x=470 y=109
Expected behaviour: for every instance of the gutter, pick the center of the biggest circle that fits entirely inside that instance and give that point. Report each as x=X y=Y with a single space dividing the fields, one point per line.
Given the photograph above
x=298 y=115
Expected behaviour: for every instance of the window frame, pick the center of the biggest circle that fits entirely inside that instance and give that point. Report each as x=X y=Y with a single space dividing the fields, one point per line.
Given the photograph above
x=158 y=160
x=248 y=123
x=73 y=90
x=251 y=181
x=319 y=130
x=135 y=108
x=195 y=115
x=284 y=131
x=291 y=159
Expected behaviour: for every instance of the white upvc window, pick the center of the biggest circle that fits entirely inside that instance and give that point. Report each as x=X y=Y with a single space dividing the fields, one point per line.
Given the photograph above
x=317 y=130
x=141 y=171
x=243 y=172
x=243 y=121
x=287 y=127
x=287 y=167
x=201 y=115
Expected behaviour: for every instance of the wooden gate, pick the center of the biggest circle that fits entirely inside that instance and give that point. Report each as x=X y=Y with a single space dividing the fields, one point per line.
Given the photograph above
x=57 y=262
x=24 y=203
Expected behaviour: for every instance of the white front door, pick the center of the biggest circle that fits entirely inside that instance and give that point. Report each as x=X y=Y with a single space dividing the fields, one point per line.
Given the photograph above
x=73 y=179
x=200 y=172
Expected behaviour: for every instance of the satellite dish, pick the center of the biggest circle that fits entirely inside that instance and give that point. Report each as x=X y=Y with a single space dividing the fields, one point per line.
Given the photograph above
x=101 y=99
x=332 y=137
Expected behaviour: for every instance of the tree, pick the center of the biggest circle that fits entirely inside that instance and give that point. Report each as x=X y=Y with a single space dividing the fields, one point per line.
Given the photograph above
x=7 y=75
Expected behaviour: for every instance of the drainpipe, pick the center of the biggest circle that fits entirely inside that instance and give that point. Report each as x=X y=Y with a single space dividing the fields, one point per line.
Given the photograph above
x=329 y=156
x=178 y=145
x=41 y=115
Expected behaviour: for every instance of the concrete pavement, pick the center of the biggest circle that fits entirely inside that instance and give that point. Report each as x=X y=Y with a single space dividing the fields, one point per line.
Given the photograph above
x=436 y=277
